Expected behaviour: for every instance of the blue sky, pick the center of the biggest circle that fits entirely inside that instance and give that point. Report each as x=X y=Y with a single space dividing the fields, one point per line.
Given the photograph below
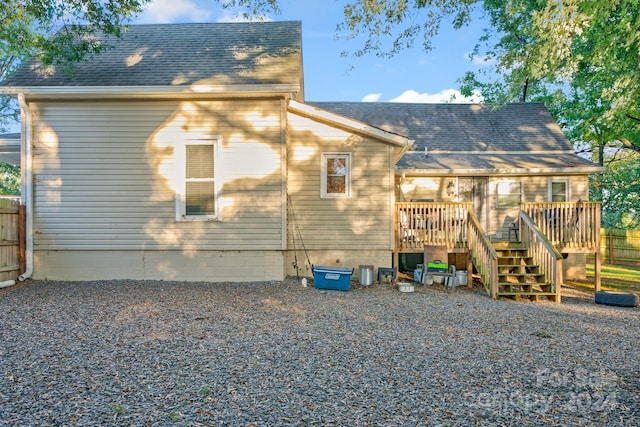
x=412 y=76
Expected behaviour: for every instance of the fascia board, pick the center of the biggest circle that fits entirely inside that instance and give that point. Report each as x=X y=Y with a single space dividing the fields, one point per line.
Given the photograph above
x=349 y=124
x=499 y=172
x=150 y=92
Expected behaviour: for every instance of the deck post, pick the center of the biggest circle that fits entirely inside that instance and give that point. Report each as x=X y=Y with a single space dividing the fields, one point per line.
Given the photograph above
x=597 y=269
x=494 y=279
x=396 y=261
x=469 y=271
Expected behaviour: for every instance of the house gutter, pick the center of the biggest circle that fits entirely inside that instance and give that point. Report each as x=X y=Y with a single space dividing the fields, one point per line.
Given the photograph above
x=499 y=172
x=27 y=182
x=201 y=91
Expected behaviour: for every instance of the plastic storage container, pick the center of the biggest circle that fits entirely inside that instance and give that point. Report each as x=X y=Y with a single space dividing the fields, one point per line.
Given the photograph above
x=417 y=273
x=332 y=278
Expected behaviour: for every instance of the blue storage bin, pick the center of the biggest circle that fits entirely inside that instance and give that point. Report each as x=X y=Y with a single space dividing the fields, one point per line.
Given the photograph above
x=337 y=279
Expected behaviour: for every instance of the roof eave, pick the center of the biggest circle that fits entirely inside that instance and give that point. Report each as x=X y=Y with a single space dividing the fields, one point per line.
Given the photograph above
x=356 y=126
x=151 y=92
x=493 y=172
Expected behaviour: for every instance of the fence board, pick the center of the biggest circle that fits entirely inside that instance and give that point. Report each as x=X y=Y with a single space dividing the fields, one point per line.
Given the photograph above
x=9 y=239
x=620 y=247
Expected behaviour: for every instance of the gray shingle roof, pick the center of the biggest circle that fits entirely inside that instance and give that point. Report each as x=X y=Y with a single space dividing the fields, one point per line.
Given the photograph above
x=461 y=127
x=185 y=54
x=470 y=136
x=493 y=163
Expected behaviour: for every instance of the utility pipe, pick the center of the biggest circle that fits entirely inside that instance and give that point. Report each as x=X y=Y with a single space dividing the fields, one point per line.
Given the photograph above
x=7 y=283
x=26 y=165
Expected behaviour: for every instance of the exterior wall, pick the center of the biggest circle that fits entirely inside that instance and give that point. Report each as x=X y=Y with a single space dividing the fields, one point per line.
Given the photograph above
x=340 y=228
x=206 y=266
x=337 y=259
x=436 y=188
x=104 y=180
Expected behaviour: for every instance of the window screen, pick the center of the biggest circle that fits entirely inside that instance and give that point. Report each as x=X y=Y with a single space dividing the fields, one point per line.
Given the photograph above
x=200 y=197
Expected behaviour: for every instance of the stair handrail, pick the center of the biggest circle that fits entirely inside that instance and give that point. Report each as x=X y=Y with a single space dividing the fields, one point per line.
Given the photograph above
x=482 y=254
x=542 y=251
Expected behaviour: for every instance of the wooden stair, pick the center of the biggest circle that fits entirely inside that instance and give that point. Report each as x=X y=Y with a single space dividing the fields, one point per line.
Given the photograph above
x=518 y=277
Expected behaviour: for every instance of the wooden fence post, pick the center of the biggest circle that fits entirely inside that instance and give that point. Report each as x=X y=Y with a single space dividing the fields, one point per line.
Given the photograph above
x=611 y=248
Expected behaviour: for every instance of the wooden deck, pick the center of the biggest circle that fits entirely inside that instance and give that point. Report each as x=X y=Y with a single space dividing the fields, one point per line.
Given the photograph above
x=431 y=223
x=572 y=227
x=546 y=231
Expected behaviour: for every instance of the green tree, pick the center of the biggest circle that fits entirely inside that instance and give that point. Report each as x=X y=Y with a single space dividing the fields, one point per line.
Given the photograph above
x=580 y=57
x=9 y=179
x=58 y=32
x=619 y=190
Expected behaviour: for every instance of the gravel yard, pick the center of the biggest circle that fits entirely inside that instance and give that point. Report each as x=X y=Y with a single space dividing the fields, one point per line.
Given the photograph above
x=265 y=354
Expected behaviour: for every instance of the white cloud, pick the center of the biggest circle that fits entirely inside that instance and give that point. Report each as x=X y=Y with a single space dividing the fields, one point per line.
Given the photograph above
x=372 y=97
x=446 y=95
x=167 y=11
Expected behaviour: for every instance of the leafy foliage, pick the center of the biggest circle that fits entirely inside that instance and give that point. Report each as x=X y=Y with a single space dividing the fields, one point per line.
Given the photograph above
x=619 y=191
x=252 y=8
x=579 y=57
x=388 y=26
x=58 y=32
x=9 y=179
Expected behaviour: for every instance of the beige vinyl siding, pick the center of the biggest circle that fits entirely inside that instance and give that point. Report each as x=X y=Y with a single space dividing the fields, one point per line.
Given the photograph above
x=579 y=187
x=105 y=175
x=535 y=189
x=426 y=188
x=362 y=221
x=206 y=266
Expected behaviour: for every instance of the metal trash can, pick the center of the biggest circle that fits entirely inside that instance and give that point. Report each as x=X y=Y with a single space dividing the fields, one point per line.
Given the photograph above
x=461 y=276
x=366 y=275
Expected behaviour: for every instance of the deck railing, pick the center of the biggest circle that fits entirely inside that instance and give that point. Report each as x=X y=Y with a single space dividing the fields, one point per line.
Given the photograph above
x=543 y=253
x=570 y=226
x=430 y=223
x=483 y=255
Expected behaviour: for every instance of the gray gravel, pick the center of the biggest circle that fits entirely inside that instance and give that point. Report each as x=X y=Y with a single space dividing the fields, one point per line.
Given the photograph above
x=262 y=354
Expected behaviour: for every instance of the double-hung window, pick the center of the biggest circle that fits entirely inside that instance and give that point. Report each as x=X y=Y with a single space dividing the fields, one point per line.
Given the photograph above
x=558 y=190
x=508 y=193
x=199 y=198
x=335 y=175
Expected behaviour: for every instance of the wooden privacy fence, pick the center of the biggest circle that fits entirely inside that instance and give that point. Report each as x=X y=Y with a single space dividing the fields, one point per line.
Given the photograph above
x=620 y=247
x=12 y=226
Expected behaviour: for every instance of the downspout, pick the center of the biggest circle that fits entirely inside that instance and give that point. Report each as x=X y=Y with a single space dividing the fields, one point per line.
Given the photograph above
x=26 y=165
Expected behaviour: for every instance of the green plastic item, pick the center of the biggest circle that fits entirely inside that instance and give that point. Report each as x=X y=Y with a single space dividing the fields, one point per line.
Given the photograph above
x=434 y=266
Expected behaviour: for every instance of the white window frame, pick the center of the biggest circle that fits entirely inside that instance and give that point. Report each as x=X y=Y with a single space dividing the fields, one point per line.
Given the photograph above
x=324 y=174
x=567 y=188
x=508 y=181
x=181 y=171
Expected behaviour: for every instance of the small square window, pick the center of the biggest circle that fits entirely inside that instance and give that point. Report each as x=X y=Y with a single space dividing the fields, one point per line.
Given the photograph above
x=335 y=175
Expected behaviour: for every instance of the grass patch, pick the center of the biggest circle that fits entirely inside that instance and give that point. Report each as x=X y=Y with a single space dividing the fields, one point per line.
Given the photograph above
x=619 y=278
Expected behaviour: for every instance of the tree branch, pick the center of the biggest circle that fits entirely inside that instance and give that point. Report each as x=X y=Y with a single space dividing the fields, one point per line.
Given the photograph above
x=629 y=116
x=630 y=145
